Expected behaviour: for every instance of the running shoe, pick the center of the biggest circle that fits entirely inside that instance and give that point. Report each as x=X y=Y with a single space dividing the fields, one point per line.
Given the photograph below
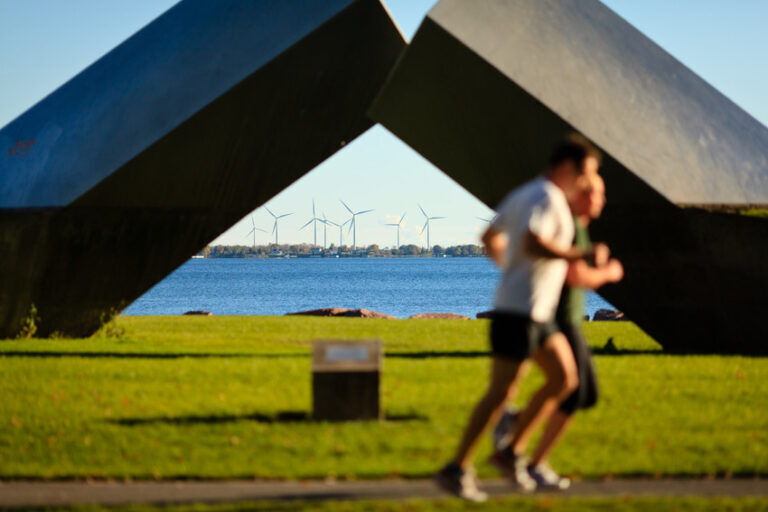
x=514 y=467
x=460 y=483
x=546 y=478
x=502 y=432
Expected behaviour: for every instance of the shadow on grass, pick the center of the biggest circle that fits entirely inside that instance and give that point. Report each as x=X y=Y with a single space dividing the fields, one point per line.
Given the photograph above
x=430 y=354
x=436 y=354
x=201 y=355
x=148 y=355
x=602 y=351
x=280 y=417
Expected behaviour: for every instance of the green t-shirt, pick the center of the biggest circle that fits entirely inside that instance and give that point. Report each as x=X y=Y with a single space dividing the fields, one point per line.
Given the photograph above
x=570 y=309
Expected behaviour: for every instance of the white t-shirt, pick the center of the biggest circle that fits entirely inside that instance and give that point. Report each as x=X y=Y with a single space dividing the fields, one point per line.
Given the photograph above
x=532 y=285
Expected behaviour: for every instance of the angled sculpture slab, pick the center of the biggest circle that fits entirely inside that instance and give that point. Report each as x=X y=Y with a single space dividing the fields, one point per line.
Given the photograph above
x=486 y=89
x=128 y=169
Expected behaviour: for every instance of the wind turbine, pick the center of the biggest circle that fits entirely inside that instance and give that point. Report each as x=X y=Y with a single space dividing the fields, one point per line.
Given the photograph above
x=253 y=230
x=353 y=225
x=399 y=223
x=340 y=226
x=325 y=222
x=426 y=224
x=277 y=217
x=313 y=219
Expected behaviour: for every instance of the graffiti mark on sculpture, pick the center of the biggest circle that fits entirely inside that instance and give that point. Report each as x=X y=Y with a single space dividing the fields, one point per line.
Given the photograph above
x=21 y=148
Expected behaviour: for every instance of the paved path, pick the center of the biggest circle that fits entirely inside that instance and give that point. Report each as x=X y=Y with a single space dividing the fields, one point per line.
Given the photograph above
x=18 y=494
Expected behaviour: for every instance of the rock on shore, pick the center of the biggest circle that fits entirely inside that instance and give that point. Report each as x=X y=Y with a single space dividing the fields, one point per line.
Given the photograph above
x=609 y=315
x=344 y=312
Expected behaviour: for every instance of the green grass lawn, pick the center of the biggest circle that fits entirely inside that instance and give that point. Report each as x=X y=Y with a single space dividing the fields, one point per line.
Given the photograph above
x=229 y=397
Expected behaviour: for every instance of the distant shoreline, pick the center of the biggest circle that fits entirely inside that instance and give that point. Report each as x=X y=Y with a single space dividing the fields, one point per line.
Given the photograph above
x=291 y=256
x=310 y=251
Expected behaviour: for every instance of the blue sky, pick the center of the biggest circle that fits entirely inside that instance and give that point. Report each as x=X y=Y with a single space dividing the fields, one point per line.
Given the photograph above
x=43 y=43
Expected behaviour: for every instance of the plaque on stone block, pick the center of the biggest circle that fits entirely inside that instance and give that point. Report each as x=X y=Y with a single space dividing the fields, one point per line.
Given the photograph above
x=346 y=378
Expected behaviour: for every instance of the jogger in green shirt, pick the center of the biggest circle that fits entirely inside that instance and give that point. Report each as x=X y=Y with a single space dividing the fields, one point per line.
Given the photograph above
x=568 y=317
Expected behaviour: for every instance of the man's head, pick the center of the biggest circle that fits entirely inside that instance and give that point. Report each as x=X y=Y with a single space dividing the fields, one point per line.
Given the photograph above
x=571 y=164
x=596 y=196
x=588 y=203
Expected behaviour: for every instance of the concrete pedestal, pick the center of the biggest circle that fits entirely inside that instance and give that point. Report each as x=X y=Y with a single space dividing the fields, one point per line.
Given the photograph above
x=346 y=377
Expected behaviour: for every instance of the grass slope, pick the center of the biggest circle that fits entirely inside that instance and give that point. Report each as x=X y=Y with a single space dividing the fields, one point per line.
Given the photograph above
x=229 y=397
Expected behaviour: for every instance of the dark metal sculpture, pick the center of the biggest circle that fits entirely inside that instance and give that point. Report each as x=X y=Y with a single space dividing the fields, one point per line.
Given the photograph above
x=120 y=175
x=487 y=88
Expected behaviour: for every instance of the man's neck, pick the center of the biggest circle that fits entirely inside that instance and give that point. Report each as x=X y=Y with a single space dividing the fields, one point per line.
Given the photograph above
x=554 y=178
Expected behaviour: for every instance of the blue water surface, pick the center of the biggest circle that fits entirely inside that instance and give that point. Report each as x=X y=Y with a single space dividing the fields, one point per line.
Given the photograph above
x=397 y=286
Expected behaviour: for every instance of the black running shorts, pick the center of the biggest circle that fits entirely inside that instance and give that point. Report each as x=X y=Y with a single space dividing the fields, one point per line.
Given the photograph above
x=516 y=336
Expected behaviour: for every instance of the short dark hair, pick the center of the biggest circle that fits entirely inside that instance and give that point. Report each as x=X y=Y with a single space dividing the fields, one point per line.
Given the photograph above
x=576 y=148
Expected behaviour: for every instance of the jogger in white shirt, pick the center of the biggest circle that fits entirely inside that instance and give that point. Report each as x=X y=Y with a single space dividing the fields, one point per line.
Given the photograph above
x=531 y=240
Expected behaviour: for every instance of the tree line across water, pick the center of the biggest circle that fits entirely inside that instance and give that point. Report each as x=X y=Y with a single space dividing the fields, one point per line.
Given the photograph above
x=308 y=250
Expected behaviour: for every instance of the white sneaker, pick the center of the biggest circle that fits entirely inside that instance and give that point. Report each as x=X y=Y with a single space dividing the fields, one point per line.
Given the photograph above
x=547 y=478
x=460 y=483
x=515 y=468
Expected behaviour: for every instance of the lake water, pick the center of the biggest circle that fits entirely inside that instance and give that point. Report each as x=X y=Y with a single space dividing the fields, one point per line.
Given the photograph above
x=397 y=286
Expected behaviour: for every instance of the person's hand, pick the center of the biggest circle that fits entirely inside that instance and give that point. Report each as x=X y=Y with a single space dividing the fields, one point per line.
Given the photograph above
x=614 y=271
x=602 y=254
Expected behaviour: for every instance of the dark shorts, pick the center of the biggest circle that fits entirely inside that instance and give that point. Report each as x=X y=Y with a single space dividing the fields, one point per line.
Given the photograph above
x=516 y=336
x=585 y=395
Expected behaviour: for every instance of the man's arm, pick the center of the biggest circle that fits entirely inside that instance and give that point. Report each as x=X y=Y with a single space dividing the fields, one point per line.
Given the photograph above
x=538 y=247
x=581 y=274
x=495 y=242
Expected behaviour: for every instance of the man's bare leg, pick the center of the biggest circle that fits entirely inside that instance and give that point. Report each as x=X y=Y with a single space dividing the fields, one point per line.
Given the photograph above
x=556 y=361
x=555 y=428
x=522 y=373
x=504 y=373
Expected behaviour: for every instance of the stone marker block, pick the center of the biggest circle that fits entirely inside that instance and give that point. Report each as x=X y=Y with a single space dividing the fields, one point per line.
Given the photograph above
x=135 y=164
x=486 y=89
x=346 y=378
